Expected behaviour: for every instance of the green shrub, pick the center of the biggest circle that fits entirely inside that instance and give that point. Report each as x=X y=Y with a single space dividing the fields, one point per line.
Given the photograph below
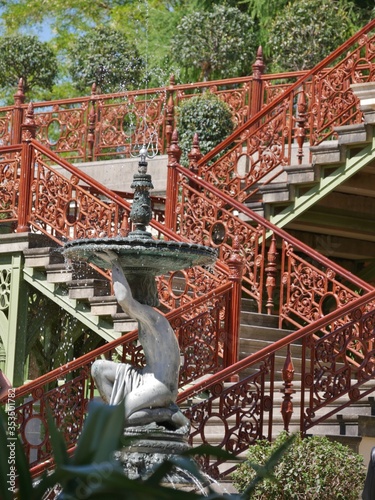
x=312 y=468
x=209 y=117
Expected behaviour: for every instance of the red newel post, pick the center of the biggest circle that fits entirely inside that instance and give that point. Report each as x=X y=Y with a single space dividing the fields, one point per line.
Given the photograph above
x=19 y=99
x=288 y=391
x=271 y=271
x=28 y=133
x=174 y=155
x=235 y=264
x=257 y=84
x=300 y=130
x=91 y=123
x=194 y=156
x=169 y=113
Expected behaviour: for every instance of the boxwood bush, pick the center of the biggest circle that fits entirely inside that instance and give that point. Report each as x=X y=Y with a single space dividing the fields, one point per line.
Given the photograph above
x=312 y=468
x=209 y=117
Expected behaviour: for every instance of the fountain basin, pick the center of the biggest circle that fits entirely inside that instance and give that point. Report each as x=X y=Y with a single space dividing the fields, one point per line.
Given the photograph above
x=142 y=259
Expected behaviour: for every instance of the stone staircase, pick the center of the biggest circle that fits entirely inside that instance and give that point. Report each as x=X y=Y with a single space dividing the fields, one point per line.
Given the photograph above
x=329 y=203
x=79 y=289
x=353 y=426
x=86 y=294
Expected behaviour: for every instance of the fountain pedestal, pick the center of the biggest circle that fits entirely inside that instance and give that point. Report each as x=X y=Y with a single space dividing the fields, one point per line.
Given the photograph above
x=155 y=428
x=149 y=446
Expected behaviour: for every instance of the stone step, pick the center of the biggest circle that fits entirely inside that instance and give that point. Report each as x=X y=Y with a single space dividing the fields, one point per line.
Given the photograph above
x=275 y=192
x=305 y=174
x=357 y=133
x=58 y=273
x=253 y=318
x=104 y=305
x=41 y=257
x=249 y=331
x=122 y=323
x=84 y=289
x=328 y=152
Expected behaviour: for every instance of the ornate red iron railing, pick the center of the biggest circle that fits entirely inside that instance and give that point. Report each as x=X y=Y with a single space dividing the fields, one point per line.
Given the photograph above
x=202 y=327
x=244 y=409
x=306 y=113
x=311 y=280
x=108 y=126
x=300 y=286
x=326 y=375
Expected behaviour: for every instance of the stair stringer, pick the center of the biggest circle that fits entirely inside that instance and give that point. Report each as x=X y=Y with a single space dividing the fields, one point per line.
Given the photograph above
x=74 y=307
x=327 y=184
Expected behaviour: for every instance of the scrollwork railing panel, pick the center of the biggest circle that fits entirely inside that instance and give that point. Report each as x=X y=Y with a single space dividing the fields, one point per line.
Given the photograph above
x=240 y=411
x=332 y=102
x=6 y=124
x=61 y=207
x=63 y=128
x=181 y=287
x=262 y=149
x=68 y=406
x=259 y=150
x=205 y=324
x=132 y=121
x=9 y=185
x=340 y=363
x=205 y=219
x=310 y=290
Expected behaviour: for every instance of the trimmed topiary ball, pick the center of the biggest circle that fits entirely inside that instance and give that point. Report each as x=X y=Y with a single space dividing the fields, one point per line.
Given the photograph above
x=314 y=468
x=209 y=117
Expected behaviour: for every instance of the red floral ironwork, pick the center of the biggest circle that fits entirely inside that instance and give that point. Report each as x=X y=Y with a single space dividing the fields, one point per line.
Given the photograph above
x=340 y=343
x=264 y=144
x=239 y=411
x=9 y=184
x=334 y=367
x=67 y=404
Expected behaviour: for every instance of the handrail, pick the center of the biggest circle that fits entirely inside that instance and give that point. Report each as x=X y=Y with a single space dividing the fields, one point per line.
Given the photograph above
x=279 y=99
x=250 y=360
x=90 y=181
x=271 y=227
x=70 y=366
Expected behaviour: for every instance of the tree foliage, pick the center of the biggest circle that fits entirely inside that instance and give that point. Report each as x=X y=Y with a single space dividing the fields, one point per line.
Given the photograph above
x=106 y=57
x=219 y=43
x=193 y=39
x=312 y=468
x=26 y=57
x=305 y=32
x=206 y=115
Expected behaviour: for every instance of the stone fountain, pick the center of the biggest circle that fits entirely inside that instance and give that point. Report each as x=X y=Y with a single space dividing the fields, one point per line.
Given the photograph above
x=155 y=427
